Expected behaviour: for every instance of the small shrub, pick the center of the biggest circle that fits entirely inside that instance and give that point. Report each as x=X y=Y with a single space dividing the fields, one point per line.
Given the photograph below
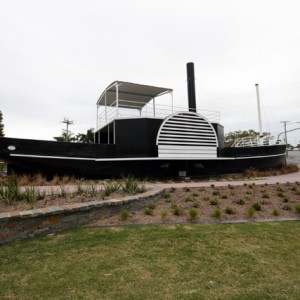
x=168 y=200
x=297 y=208
x=172 y=189
x=131 y=185
x=212 y=185
x=148 y=211
x=276 y=211
x=91 y=190
x=206 y=198
x=223 y=197
x=177 y=210
x=280 y=194
x=216 y=193
x=257 y=206
x=264 y=202
x=186 y=189
x=229 y=210
x=193 y=213
x=167 y=195
x=62 y=192
x=31 y=195
x=201 y=189
x=195 y=204
x=240 y=202
x=265 y=195
x=217 y=213
x=80 y=189
x=124 y=214
x=279 y=189
x=248 y=192
x=151 y=205
x=188 y=198
x=12 y=191
x=195 y=194
x=214 y=201
x=294 y=189
x=164 y=214
x=286 y=200
x=111 y=187
x=52 y=194
x=286 y=207
x=251 y=212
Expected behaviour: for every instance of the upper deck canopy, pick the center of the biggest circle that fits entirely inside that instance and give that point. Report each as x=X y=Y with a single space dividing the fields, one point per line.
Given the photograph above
x=130 y=95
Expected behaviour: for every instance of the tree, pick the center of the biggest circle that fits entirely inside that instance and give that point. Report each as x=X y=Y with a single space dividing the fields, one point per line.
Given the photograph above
x=232 y=136
x=1 y=125
x=87 y=138
x=65 y=137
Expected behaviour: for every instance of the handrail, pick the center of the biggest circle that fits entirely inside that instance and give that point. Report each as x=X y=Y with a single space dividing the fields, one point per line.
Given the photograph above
x=108 y=113
x=252 y=141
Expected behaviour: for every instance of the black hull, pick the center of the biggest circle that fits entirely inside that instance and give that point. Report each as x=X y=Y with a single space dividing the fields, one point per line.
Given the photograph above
x=96 y=161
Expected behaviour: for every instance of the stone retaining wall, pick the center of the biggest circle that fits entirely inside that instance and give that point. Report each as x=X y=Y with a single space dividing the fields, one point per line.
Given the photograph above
x=19 y=225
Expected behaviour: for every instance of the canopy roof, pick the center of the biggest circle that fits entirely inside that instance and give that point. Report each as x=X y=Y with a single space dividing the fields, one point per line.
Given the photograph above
x=130 y=95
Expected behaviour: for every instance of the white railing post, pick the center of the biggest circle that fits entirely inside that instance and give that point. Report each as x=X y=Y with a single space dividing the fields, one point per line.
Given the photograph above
x=117 y=99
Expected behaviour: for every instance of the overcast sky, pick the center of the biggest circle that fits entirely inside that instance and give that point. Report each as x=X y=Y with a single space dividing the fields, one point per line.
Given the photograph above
x=56 y=58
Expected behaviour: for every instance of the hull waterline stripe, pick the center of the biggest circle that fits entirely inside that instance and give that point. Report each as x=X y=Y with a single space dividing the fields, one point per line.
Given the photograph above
x=142 y=158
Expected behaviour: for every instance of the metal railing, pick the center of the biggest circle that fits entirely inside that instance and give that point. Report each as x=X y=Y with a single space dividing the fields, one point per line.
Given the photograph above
x=106 y=114
x=251 y=141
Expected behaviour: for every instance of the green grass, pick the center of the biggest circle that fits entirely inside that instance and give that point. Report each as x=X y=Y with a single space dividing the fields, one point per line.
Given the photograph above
x=241 y=261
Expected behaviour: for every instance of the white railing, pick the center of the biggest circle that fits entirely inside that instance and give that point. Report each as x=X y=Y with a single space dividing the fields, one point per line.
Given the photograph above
x=251 y=141
x=109 y=113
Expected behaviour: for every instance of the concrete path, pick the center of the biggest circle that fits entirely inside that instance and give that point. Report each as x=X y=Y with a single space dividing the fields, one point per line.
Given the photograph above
x=292 y=177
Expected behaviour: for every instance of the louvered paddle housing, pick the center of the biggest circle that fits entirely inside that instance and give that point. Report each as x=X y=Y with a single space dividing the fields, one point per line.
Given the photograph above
x=187 y=135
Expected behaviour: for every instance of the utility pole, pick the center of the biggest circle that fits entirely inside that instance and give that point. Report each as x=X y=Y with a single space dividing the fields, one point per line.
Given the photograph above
x=67 y=122
x=284 y=126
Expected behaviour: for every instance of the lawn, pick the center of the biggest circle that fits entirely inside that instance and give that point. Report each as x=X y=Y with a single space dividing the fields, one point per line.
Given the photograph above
x=241 y=261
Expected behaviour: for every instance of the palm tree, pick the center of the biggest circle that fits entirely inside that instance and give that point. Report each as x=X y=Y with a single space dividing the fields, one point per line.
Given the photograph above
x=65 y=137
x=87 y=138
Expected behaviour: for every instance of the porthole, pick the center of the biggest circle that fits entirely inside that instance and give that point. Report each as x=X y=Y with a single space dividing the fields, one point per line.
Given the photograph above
x=11 y=148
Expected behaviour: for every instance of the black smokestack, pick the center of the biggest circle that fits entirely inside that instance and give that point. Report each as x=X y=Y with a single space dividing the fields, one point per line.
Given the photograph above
x=191 y=86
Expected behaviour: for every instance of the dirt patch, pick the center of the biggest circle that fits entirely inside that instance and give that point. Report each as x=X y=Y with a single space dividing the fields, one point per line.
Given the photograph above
x=228 y=203
x=190 y=204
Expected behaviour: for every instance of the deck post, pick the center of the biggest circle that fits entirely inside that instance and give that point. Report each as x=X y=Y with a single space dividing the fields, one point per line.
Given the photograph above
x=105 y=108
x=154 y=106
x=117 y=99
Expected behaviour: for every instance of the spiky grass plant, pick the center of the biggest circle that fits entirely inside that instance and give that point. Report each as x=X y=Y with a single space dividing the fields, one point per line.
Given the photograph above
x=251 y=212
x=193 y=213
x=124 y=214
x=111 y=187
x=217 y=213
x=164 y=213
x=132 y=186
